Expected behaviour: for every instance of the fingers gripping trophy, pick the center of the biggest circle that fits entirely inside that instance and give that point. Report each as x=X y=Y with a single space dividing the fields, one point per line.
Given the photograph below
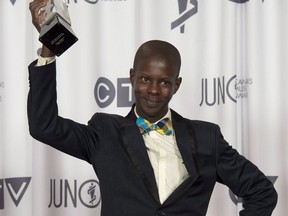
x=52 y=20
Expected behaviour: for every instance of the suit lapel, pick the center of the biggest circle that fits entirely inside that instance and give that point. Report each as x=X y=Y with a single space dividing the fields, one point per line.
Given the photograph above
x=187 y=146
x=186 y=143
x=136 y=149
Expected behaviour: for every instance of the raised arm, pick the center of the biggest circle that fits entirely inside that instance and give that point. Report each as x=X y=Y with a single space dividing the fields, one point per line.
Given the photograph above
x=38 y=15
x=45 y=124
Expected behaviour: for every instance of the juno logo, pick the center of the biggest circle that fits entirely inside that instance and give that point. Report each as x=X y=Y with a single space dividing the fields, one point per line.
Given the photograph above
x=186 y=10
x=64 y=193
x=241 y=1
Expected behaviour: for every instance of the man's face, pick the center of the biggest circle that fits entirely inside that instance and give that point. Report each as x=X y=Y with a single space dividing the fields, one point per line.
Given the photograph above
x=155 y=82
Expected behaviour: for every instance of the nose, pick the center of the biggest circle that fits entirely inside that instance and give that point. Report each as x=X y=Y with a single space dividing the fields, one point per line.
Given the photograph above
x=154 y=89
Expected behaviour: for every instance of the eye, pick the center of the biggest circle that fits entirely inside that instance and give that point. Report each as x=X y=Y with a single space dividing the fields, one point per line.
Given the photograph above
x=144 y=79
x=165 y=83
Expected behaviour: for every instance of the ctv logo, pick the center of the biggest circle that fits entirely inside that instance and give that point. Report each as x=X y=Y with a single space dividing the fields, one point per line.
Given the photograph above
x=105 y=92
x=16 y=188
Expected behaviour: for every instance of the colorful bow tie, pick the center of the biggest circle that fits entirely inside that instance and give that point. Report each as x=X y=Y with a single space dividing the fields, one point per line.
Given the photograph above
x=163 y=127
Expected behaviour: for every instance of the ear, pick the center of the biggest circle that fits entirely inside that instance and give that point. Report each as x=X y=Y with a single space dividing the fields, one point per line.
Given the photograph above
x=178 y=83
x=132 y=73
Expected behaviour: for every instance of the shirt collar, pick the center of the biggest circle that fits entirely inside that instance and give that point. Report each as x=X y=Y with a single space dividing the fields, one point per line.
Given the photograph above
x=167 y=115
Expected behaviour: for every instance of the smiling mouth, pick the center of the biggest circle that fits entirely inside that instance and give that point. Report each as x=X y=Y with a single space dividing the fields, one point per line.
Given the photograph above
x=152 y=102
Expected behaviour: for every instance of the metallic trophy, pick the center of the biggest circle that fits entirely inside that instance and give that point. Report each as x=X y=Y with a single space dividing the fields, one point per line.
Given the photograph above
x=56 y=32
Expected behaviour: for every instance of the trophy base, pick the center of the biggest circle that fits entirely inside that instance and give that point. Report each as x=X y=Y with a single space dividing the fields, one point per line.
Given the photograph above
x=57 y=36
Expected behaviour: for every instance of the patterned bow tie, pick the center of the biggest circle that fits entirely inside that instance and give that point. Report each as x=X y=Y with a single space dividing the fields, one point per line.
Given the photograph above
x=163 y=127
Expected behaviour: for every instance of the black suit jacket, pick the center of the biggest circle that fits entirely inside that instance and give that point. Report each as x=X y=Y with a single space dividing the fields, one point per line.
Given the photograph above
x=115 y=148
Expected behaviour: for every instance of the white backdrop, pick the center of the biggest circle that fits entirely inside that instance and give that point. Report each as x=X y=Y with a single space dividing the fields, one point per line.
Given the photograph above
x=234 y=68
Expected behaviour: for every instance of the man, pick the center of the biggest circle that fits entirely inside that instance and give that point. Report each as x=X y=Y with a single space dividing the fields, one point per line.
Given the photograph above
x=142 y=171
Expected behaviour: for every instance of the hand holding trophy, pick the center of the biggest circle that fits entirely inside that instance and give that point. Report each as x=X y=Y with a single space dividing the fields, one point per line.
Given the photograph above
x=52 y=20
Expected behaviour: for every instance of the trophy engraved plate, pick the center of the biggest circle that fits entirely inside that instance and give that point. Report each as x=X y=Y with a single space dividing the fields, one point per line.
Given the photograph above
x=56 y=32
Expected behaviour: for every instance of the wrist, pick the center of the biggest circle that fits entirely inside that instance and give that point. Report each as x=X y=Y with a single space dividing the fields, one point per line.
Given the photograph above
x=45 y=52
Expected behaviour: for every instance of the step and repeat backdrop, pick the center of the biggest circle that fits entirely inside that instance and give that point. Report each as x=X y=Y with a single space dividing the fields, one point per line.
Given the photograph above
x=234 y=71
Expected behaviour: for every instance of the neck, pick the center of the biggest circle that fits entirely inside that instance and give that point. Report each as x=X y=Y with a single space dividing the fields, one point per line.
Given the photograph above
x=153 y=119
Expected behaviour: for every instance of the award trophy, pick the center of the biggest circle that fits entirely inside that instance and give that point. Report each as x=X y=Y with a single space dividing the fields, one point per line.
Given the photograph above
x=56 y=32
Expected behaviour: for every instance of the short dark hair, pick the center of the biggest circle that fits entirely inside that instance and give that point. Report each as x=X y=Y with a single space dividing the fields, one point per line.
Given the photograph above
x=158 y=49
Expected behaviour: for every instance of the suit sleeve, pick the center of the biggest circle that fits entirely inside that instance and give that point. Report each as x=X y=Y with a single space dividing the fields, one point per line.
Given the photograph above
x=45 y=125
x=245 y=180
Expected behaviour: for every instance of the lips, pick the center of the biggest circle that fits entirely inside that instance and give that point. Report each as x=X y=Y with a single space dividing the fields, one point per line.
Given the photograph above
x=151 y=102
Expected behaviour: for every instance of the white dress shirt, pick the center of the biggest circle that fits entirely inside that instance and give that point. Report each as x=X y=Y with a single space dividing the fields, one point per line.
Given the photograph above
x=166 y=160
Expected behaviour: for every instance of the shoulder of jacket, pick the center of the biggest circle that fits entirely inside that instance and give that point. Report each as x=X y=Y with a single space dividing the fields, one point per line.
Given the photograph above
x=102 y=117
